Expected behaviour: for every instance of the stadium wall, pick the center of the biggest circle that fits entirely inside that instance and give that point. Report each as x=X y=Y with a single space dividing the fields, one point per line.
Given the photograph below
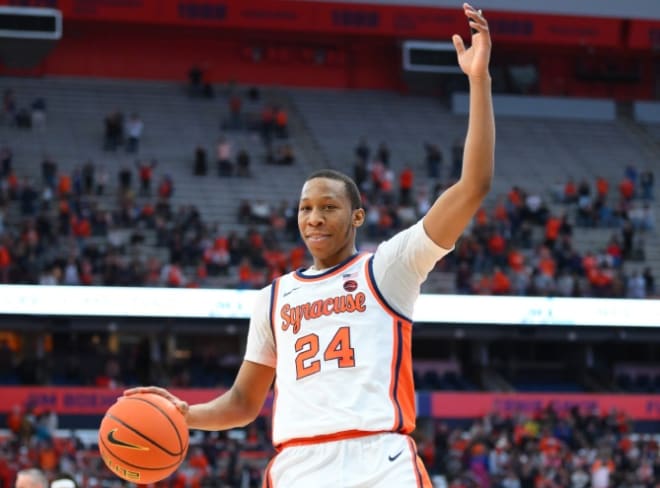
x=82 y=407
x=328 y=44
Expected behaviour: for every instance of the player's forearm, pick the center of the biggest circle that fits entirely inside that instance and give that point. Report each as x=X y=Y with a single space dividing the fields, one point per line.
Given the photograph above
x=222 y=413
x=479 y=151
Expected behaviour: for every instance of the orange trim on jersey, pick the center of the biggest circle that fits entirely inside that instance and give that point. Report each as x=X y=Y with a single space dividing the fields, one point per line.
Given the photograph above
x=402 y=387
x=272 y=412
x=268 y=479
x=394 y=384
x=328 y=274
x=406 y=387
x=421 y=475
x=421 y=471
x=273 y=308
x=368 y=270
x=320 y=439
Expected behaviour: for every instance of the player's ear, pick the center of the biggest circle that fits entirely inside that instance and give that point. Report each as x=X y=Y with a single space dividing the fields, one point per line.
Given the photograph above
x=358 y=217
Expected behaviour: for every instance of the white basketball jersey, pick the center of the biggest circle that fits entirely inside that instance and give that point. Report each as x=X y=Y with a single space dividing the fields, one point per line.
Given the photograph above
x=344 y=364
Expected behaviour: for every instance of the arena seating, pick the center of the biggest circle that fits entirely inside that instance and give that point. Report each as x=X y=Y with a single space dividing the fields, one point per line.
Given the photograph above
x=174 y=126
x=325 y=126
x=531 y=153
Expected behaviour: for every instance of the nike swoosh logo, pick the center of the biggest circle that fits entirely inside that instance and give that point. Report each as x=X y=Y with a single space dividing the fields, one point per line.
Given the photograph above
x=290 y=291
x=393 y=458
x=113 y=440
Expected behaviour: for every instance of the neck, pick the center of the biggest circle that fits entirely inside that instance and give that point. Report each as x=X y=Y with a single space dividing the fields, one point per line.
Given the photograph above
x=331 y=262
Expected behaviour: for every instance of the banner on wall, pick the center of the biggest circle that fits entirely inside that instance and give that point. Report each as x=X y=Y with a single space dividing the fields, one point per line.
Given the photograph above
x=469 y=405
x=95 y=401
x=81 y=400
x=368 y=19
x=644 y=34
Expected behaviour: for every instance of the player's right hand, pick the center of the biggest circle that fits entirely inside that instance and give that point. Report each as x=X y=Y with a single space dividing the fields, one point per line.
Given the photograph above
x=474 y=60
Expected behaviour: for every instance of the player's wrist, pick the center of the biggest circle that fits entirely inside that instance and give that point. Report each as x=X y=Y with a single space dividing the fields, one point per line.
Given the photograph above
x=481 y=78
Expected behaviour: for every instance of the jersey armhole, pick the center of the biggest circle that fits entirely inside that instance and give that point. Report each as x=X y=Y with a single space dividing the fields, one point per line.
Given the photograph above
x=273 y=307
x=371 y=279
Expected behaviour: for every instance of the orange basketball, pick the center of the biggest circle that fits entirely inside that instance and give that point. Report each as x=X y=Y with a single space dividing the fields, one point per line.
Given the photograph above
x=143 y=438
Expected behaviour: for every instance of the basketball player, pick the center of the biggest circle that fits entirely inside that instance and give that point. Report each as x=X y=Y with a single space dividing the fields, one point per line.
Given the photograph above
x=336 y=338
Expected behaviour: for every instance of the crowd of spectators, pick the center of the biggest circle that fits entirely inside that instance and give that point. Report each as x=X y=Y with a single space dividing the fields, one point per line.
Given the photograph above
x=523 y=247
x=545 y=448
x=523 y=243
x=28 y=117
x=57 y=227
x=228 y=459
x=517 y=246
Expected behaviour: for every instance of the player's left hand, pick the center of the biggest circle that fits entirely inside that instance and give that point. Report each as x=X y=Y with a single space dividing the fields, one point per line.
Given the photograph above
x=474 y=60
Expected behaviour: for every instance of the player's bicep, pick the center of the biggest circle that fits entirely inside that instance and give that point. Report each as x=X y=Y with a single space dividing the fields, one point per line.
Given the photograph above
x=451 y=213
x=401 y=265
x=260 y=347
x=408 y=257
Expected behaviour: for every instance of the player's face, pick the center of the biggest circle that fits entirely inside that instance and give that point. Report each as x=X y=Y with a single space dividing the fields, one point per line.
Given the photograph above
x=326 y=221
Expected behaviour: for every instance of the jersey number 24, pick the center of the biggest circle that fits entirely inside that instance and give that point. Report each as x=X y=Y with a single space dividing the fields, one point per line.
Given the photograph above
x=338 y=349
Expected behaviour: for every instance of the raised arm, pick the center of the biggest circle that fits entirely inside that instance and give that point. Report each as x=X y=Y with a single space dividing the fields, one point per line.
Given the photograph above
x=452 y=211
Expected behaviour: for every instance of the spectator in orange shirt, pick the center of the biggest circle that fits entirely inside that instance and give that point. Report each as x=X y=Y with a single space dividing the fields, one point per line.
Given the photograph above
x=515 y=198
x=406 y=181
x=244 y=275
x=546 y=265
x=516 y=260
x=501 y=284
x=552 y=226
x=497 y=248
x=481 y=217
x=549 y=444
x=15 y=419
x=614 y=250
x=485 y=285
x=602 y=187
x=281 y=123
x=48 y=457
x=570 y=191
x=199 y=467
x=5 y=262
x=501 y=216
x=627 y=189
x=64 y=185
x=297 y=257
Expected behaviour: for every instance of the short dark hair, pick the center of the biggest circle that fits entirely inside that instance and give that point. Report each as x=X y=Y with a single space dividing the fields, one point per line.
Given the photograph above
x=351 y=188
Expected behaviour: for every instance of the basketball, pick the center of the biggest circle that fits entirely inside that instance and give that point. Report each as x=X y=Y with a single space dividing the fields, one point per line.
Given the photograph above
x=143 y=438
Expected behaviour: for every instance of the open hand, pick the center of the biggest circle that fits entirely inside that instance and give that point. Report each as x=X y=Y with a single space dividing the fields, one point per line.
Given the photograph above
x=474 y=60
